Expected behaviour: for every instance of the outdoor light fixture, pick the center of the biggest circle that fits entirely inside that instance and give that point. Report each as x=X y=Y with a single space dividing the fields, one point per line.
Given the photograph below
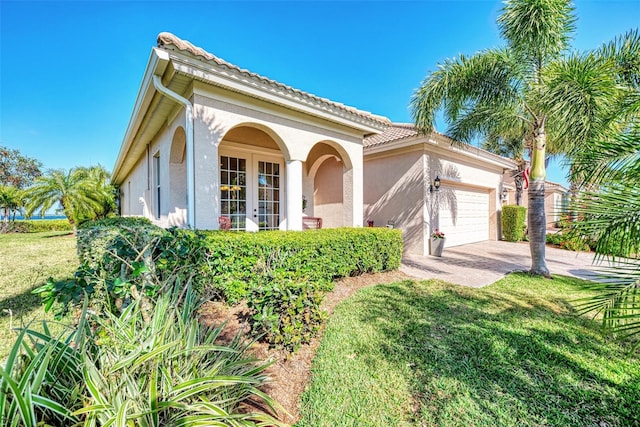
x=435 y=186
x=505 y=194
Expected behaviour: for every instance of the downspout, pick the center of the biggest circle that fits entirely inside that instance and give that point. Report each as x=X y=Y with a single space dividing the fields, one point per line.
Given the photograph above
x=191 y=182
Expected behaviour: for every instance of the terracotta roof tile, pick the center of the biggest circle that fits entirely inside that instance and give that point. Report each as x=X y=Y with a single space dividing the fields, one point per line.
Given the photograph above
x=166 y=39
x=394 y=132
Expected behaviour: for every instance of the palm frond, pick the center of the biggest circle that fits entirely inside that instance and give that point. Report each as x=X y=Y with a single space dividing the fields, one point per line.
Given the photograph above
x=537 y=30
x=476 y=90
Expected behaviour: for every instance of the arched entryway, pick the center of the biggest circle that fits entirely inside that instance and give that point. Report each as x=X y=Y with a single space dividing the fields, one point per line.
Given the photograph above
x=251 y=179
x=178 y=179
x=325 y=184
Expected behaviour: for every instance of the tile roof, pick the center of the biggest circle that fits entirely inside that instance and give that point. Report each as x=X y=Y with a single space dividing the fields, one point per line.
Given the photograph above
x=400 y=131
x=165 y=40
x=394 y=132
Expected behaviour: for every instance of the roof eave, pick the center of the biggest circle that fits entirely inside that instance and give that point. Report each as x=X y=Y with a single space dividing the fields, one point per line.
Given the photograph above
x=468 y=151
x=156 y=65
x=220 y=75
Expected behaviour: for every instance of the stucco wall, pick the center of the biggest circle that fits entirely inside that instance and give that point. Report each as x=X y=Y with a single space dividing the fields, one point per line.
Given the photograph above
x=141 y=180
x=394 y=191
x=327 y=198
x=134 y=194
x=296 y=137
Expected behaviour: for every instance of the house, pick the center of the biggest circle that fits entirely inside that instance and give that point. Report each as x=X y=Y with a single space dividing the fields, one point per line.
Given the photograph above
x=556 y=199
x=210 y=144
x=401 y=167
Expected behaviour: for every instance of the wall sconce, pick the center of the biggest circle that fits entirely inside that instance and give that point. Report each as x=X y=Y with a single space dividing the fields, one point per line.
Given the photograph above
x=435 y=186
x=505 y=194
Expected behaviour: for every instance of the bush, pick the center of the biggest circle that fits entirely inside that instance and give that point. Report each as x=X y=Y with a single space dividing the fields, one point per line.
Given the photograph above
x=239 y=260
x=36 y=226
x=118 y=221
x=513 y=222
x=286 y=312
x=118 y=261
x=569 y=242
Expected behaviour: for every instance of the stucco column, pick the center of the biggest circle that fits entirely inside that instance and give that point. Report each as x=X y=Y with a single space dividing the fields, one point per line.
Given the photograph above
x=353 y=195
x=207 y=168
x=294 y=194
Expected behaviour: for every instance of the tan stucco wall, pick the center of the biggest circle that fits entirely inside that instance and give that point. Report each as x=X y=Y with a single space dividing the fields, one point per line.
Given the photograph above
x=552 y=203
x=396 y=188
x=327 y=196
x=142 y=198
x=295 y=135
x=394 y=191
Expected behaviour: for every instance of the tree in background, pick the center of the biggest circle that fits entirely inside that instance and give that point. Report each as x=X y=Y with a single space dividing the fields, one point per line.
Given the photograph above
x=11 y=200
x=82 y=193
x=530 y=91
x=17 y=170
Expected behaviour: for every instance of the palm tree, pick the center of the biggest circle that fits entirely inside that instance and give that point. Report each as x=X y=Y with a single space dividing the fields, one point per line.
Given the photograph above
x=10 y=200
x=98 y=177
x=610 y=212
x=518 y=92
x=75 y=191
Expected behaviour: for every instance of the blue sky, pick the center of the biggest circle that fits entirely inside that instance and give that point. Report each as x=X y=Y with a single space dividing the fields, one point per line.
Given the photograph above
x=70 y=71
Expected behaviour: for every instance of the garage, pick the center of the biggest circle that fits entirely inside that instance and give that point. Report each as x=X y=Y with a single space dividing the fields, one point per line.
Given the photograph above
x=464 y=215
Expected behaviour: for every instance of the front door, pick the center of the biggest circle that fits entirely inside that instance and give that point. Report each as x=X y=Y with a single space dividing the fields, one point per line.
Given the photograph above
x=267 y=210
x=251 y=191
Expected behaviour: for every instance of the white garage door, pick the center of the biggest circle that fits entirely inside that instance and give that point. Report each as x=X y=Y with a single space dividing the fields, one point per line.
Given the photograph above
x=464 y=215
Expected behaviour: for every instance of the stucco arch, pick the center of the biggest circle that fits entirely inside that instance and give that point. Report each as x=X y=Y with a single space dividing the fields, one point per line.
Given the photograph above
x=178 y=146
x=251 y=133
x=319 y=152
x=177 y=178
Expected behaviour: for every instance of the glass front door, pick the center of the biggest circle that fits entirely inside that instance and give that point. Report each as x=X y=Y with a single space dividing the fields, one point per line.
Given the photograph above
x=250 y=192
x=268 y=207
x=233 y=191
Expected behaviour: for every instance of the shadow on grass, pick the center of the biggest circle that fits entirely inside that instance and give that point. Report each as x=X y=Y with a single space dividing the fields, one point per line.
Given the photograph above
x=510 y=358
x=21 y=304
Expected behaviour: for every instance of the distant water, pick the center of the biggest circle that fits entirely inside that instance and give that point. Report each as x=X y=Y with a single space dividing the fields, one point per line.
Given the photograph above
x=38 y=217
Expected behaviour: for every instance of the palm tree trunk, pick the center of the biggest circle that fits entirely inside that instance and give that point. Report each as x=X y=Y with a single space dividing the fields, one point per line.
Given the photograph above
x=536 y=219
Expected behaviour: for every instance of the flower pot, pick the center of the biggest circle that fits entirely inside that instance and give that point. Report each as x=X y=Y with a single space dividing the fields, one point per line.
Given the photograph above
x=437 y=245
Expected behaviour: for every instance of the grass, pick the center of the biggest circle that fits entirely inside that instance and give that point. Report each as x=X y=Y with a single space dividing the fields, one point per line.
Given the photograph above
x=26 y=262
x=433 y=354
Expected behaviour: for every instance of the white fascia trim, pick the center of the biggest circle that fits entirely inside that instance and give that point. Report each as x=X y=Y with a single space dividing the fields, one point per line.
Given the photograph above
x=228 y=79
x=469 y=152
x=223 y=95
x=156 y=65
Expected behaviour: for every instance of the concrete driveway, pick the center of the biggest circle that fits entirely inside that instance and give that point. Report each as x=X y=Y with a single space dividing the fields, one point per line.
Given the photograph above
x=483 y=263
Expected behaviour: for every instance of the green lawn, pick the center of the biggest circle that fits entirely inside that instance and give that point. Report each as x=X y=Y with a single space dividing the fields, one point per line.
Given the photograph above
x=26 y=261
x=433 y=354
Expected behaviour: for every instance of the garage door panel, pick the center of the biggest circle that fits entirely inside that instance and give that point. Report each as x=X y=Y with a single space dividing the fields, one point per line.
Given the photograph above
x=464 y=215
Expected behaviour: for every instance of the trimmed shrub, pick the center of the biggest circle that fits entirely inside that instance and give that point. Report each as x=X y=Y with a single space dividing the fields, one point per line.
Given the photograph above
x=239 y=260
x=513 y=222
x=37 y=226
x=286 y=312
x=283 y=273
x=570 y=242
x=127 y=221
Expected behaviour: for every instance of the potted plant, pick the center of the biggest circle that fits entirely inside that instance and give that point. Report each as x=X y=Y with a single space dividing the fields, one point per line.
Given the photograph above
x=437 y=242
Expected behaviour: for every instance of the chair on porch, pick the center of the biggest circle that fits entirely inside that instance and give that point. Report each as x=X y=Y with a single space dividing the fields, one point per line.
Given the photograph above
x=224 y=223
x=311 y=223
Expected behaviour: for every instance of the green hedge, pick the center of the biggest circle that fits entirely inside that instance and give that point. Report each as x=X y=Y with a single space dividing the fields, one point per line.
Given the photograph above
x=239 y=259
x=37 y=226
x=282 y=274
x=513 y=222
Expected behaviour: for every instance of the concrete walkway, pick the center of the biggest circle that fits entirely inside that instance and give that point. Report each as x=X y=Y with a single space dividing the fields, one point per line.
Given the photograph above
x=483 y=263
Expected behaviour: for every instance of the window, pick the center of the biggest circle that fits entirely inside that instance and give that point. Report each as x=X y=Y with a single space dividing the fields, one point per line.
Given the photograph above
x=233 y=191
x=156 y=182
